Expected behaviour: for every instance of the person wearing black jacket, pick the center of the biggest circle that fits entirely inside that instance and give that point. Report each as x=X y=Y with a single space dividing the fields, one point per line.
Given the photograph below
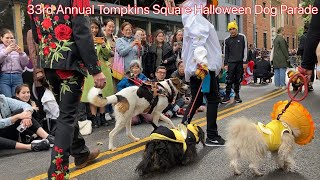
x=235 y=49
x=67 y=53
x=167 y=58
x=309 y=59
x=262 y=69
x=252 y=54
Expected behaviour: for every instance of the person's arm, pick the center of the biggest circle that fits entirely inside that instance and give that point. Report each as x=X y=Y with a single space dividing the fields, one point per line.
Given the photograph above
x=121 y=48
x=24 y=59
x=284 y=48
x=245 y=51
x=83 y=39
x=226 y=51
x=122 y=84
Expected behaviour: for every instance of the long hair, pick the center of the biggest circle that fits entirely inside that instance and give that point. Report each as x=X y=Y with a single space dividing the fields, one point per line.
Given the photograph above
x=159 y=31
x=3 y=32
x=97 y=23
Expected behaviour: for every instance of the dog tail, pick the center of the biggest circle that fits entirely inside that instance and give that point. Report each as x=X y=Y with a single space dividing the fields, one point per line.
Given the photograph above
x=95 y=99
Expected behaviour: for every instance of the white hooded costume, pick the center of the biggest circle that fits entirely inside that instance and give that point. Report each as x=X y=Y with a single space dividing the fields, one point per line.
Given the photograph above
x=200 y=41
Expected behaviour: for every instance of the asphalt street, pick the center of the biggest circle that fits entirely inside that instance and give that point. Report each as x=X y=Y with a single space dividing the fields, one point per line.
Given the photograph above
x=212 y=163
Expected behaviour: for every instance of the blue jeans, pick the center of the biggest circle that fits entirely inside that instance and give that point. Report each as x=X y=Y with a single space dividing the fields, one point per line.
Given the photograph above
x=9 y=82
x=280 y=77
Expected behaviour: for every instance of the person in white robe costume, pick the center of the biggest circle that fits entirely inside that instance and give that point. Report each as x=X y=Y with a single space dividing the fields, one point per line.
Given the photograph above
x=201 y=54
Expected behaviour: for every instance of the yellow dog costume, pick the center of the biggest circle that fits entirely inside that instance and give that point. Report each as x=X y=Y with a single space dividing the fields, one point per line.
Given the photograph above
x=296 y=116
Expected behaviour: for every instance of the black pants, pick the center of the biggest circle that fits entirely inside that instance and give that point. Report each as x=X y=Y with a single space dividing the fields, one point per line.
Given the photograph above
x=264 y=77
x=67 y=135
x=234 y=77
x=10 y=135
x=212 y=99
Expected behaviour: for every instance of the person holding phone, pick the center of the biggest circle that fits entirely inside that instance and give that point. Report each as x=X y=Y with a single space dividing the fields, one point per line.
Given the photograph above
x=12 y=62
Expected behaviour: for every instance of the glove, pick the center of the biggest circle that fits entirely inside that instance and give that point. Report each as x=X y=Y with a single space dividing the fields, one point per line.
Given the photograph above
x=202 y=71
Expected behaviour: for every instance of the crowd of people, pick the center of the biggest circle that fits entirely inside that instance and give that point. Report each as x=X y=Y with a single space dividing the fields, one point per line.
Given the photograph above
x=31 y=114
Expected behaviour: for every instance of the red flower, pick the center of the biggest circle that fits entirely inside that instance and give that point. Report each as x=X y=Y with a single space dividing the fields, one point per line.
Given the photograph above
x=38 y=30
x=46 y=51
x=60 y=177
x=49 y=36
x=46 y=6
x=66 y=17
x=56 y=18
x=60 y=151
x=53 y=175
x=81 y=65
x=65 y=168
x=63 y=32
x=45 y=40
x=36 y=18
x=53 y=45
x=58 y=168
x=64 y=74
x=39 y=36
x=56 y=148
x=46 y=24
x=59 y=161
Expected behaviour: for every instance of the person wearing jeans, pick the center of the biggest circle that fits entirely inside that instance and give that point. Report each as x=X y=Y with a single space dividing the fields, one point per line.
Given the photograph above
x=280 y=59
x=12 y=62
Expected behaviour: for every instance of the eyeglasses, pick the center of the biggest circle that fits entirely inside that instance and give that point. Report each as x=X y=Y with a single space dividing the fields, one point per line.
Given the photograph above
x=161 y=72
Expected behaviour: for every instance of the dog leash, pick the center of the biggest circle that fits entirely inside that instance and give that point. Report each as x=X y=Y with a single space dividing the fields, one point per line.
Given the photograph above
x=194 y=101
x=293 y=97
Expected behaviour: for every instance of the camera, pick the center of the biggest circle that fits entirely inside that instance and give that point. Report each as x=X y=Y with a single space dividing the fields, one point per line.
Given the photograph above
x=21 y=128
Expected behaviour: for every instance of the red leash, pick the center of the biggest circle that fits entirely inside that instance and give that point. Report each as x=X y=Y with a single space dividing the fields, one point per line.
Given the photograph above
x=195 y=99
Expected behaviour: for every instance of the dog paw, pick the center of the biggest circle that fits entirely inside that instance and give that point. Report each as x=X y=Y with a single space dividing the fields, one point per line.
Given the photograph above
x=237 y=172
x=136 y=139
x=112 y=148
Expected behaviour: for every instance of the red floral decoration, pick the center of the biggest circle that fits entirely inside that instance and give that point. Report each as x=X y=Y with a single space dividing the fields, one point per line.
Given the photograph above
x=56 y=18
x=65 y=74
x=46 y=51
x=63 y=32
x=46 y=24
x=61 y=172
x=53 y=45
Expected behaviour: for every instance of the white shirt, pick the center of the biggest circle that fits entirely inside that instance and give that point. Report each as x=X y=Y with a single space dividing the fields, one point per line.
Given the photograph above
x=199 y=34
x=50 y=105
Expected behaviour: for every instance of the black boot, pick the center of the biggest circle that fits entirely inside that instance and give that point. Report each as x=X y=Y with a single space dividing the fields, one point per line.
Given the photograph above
x=103 y=120
x=95 y=121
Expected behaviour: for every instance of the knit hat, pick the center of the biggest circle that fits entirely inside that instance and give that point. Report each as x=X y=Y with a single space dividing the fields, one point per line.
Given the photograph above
x=232 y=25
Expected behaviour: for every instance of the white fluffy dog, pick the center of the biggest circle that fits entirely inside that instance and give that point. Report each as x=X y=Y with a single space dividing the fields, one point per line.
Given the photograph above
x=134 y=100
x=246 y=141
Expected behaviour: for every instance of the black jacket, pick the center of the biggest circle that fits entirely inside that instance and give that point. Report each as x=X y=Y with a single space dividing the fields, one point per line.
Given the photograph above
x=65 y=40
x=261 y=68
x=302 y=43
x=148 y=63
x=235 y=49
x=167 y=54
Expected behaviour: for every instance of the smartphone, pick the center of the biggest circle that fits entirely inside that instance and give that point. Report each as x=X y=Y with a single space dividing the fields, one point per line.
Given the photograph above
x=99 y=40
x=13 y=41
x=138 y=37
x=21 y=128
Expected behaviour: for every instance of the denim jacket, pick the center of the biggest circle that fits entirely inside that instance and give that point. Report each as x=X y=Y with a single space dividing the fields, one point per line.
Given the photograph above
x=7 y=106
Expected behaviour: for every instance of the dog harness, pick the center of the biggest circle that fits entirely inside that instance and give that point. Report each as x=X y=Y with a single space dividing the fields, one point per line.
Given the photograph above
x=272 y=133
x=154 y=89
x=173 y=135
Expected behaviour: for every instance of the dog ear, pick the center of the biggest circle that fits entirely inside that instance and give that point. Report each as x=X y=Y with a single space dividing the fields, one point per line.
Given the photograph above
x=201 y=135
x=175 y=81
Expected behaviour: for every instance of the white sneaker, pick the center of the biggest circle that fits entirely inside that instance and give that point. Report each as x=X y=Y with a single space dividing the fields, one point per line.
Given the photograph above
x=107 y=117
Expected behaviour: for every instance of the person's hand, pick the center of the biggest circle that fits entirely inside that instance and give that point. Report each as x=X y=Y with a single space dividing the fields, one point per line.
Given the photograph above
x=10 y=48
x=245 y=66
x=26 y=123
x=305 y=72
x=19 y=50
x=226 y=67
x=99 y=80
x=34 y=106
x=202 y=71
x=25 y=115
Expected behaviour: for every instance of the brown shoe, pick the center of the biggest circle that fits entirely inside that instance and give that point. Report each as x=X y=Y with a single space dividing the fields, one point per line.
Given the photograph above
x=92 y=156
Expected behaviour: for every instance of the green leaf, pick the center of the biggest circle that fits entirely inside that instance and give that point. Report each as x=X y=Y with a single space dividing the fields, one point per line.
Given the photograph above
x=64 y=48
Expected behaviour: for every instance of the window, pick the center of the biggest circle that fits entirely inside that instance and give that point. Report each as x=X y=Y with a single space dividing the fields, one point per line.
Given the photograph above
x=256 y=45
x=264 y=7
x=216 y=22
x=293 y=43
x=231 y=2
x=238 y=22
x=293 y=19
x=227 y=20
x=265 y=40
x=273 y=21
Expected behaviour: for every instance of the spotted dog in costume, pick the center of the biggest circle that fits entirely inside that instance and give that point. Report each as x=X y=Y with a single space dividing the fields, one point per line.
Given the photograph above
x=170 y=147
x=249 y=141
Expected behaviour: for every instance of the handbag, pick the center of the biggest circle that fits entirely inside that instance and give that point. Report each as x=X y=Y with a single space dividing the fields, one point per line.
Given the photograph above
x=117 y=66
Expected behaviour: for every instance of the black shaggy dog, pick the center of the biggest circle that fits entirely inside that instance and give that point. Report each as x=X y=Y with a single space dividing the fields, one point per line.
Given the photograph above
x=168 y=148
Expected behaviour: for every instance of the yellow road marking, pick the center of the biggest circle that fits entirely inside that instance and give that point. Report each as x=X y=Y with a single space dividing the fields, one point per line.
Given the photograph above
x=140 y=148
